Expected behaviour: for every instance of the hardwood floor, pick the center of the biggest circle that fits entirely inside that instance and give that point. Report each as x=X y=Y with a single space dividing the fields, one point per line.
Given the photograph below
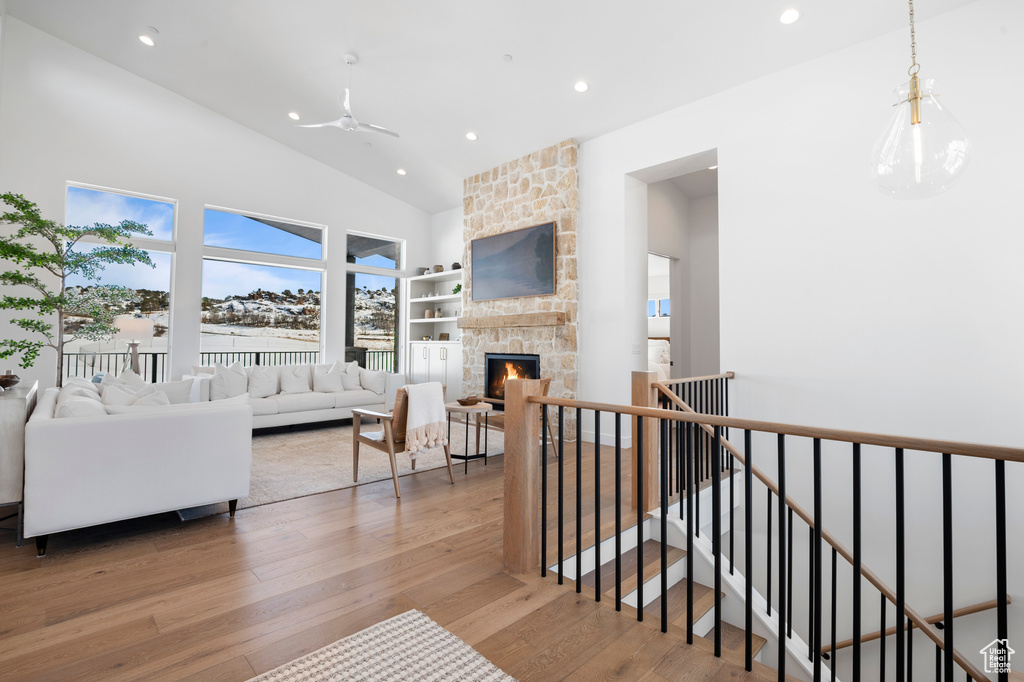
x=221 y=599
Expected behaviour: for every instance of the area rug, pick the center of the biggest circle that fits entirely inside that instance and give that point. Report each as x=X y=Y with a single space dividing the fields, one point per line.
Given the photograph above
x=409 y=646
x=315 y=460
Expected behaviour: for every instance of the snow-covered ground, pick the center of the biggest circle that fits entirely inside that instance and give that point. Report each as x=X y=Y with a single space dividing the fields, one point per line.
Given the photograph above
x=252 y=324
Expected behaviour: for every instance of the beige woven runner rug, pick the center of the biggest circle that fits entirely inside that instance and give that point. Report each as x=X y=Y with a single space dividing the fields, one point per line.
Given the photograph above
x=409 y=646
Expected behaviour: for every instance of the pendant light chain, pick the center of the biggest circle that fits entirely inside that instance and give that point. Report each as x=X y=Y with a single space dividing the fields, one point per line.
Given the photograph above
x=914 y=66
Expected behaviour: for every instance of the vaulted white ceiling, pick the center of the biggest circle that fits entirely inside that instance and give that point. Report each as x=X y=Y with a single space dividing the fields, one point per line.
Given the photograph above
x=433 y=70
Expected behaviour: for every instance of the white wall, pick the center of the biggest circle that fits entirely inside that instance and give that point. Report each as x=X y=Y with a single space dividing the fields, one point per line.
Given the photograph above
x=668 y=233
x=704 y=329
x=447 y=241
x=67 y=115
x=839 y=306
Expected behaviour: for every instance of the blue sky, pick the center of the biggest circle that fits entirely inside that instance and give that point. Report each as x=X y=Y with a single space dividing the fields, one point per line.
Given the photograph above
x=229 y=230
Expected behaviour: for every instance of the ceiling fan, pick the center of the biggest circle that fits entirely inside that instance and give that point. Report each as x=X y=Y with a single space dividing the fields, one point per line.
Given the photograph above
x=348 y=121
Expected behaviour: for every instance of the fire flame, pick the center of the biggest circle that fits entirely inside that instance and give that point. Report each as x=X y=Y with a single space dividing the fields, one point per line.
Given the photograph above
x=510 y=372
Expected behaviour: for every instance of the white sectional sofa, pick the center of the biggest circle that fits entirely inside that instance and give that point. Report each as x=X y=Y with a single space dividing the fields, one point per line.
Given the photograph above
x=90 y=467
x=281 y=395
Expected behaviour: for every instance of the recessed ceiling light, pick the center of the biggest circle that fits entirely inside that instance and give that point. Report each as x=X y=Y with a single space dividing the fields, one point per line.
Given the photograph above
x=581 y=86
x=147 y=37
x=789 y=16
x=471 y=136
x=506 y=57
x=401 y=171
x=293 y=116
x=713 y=167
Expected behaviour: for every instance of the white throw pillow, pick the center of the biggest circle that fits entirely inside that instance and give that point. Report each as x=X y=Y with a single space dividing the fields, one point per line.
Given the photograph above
x=295 y=379
x=373 y=381
x=114 y=394
x=84 y=383
x=350 y=382
x=80 y=407
x=228 y=382
x=76 y=391
x=177 y=392
x=328 y=378
x=204 y=369
x=262 y=382
x=154 y=398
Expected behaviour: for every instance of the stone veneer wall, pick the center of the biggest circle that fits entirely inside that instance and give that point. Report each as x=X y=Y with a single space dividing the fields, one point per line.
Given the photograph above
x=538 y=188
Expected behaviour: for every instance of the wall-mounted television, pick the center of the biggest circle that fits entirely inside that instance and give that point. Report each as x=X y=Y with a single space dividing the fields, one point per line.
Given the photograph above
x=514 y=264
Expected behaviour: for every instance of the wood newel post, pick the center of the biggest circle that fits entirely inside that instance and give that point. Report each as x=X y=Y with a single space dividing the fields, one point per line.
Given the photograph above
x=645 y=395
x=521 y=548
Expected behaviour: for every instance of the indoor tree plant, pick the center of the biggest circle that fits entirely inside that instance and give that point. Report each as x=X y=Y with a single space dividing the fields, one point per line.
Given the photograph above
x=44 y=254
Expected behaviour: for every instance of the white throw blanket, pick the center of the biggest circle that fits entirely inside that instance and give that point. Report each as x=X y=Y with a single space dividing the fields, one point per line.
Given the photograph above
x=424 y=424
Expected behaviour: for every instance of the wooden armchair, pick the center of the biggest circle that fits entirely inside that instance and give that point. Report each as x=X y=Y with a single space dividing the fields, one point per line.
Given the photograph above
x=390 y=440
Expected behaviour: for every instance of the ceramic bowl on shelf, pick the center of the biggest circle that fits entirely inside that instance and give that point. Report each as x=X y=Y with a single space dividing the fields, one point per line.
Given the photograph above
x=422 y=271
x=438 y=268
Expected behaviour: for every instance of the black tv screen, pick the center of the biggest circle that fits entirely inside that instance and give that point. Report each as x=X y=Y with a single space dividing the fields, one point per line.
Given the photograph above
x=512 y=264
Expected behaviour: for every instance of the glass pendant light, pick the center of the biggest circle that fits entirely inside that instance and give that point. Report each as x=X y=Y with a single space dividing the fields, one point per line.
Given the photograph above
x=924 y=150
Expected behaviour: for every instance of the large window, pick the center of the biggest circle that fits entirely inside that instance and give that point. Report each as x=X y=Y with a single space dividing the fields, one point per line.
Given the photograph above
x=87 y=206
x=372 y=319
x=262 y=283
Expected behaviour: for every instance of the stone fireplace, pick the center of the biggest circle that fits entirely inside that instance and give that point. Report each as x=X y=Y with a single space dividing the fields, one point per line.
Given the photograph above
x=502 y=366
x=538 y=188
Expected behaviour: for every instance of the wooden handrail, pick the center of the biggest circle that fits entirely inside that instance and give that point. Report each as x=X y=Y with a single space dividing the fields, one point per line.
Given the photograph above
x=928 y=628
x=706 y=420
x=693 y=380
x=906 y=442
x=937 y=618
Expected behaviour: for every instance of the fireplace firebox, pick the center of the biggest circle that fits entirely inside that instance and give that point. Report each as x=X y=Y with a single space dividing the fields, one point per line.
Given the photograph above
x=502 y=366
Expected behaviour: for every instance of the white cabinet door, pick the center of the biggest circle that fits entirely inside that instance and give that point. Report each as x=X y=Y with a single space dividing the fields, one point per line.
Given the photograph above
x=449 y=369
x=419 y=363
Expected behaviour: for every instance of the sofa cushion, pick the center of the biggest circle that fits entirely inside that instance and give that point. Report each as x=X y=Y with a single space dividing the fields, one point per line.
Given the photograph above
x=228 y=382
x=153 y=398
x=115 y=394
x=261 y=406
x=263 y=382
x=295 y=379
x=357 y=398
x=327 y=378
x=373 y=381
x=350 y=380
x=202 y=369
x=76 y=391
x=83 y=382
x=177 y=392
x=80 y=407
x=302 y=402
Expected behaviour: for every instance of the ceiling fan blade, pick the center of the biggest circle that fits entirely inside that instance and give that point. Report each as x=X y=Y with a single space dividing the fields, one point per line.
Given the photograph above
x=329 y=124
x=345 y=104
x=369 y=127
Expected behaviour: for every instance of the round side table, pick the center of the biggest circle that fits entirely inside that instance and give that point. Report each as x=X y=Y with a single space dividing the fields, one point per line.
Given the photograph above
x=479 y=410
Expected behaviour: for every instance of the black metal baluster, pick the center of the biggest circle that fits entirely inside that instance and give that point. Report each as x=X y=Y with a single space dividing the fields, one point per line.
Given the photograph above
x=810 y=593
x=881 y=641
x=543 y=491
x=785 y=567
x=1002 y=627
x=748 y=567
x=938 y=664
x=910 y=650
x=597 y=504
x=768 y=551
x=639 y=518
x=561 y=492
x=832 y=649
x=947 y=562
x=901 y=575
x=817 y=560
x=716 y=531
x=579 y=501
x=664 y=524
x=857 y=562
x=789 y=572
x=618 y=511
x=690 y=448
x=732 y=522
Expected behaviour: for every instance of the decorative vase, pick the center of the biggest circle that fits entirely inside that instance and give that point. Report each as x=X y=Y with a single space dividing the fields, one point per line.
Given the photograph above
x=456 y=266
x=438 y=268
x=427 y=314
x=422 y=271
x=437 y=312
